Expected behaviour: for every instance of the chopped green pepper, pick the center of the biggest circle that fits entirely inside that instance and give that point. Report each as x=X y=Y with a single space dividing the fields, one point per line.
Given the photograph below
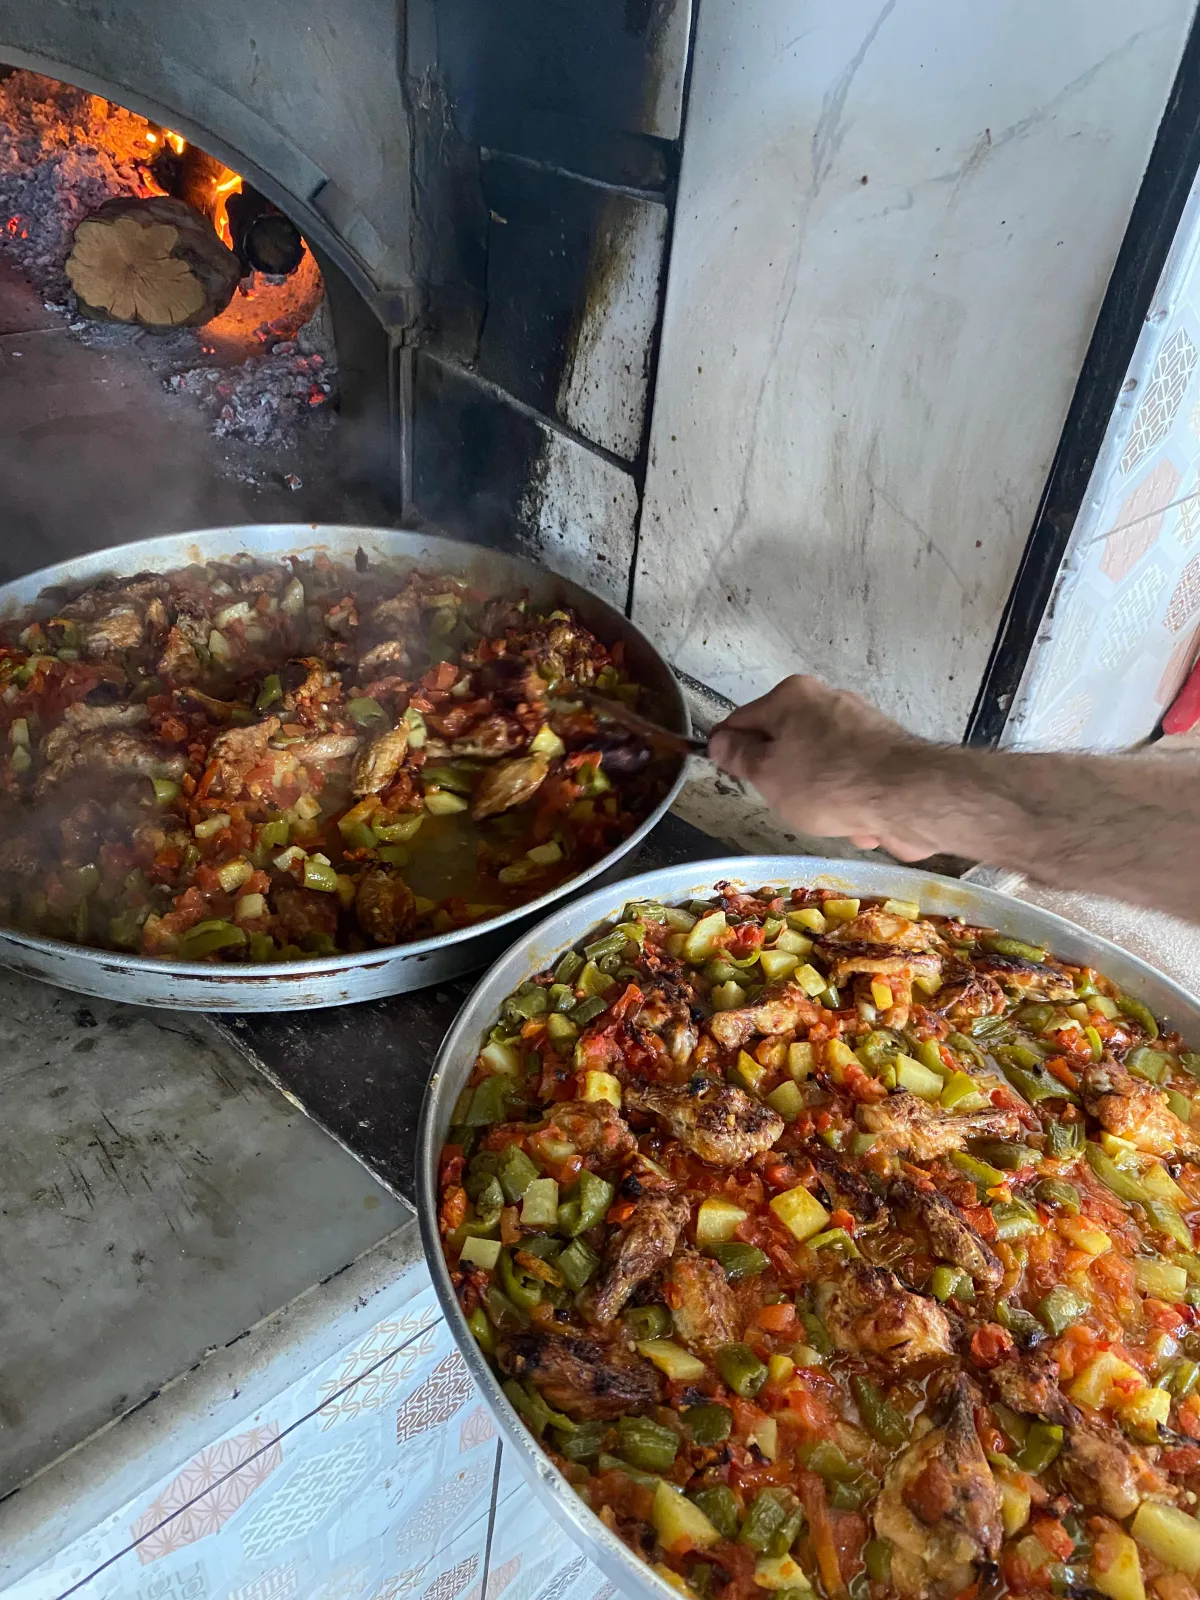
x=1017 y=1320
x=482 y=1329
x=827 y=1460
x=1153 y=1065
x=980 y=1172
x=586 y=1441
x=271 y=691
x=165 y=790
x=1015 y=949
x=647 y=1444
x=521 y=1287
x=489 y=1203
x=709 y=1424
x=502 y=1313
x=739 y=1260
x=720 y=1507
x=951 y=1283
x=648 y=1322
x=1167 y=1220
x=1095 y=1041
x=530 y=1000
x=488 y=1103
x=568 y=966
x=1035 y=1084
x=205 y=937
x=1179 y=1104
x=1056 y=1192
x=878 y=1558
x=319 y=875
x=1042 y=1444
x=1063 y=1139
x=529 y=1404
x=1123 y=1184
x=1008 y=1157
x=741 y=1369
x=880 y=1418
x=587 y=1010
x=577 y=1264
x=1014 y=1219
x=852 y=1496
x=765 y=1519
x=365 y=711
x=1184 y=1377
x=1060 y=1308
x=516 y=1172
x=817 y=1334
x=1139 y=1013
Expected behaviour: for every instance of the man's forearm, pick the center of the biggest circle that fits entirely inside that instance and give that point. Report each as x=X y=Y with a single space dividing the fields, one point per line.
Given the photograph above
x=1128 y=826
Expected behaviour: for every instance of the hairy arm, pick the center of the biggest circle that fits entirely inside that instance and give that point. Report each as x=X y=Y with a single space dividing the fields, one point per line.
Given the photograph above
x=830 y=765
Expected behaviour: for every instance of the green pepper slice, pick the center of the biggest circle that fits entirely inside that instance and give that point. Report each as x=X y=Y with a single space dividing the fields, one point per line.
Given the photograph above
x=1060 y=1308
x=1139 y=1013
x=739 y=1260
x=1042 y=1444
x=720 y=1507
x=880 y=1418
x=741 y=1369
x=709 y=1424
x=516 y=1171
x=647 y=1444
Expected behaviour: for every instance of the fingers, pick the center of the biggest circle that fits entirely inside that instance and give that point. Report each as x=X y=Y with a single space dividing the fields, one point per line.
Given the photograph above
x=741 y=754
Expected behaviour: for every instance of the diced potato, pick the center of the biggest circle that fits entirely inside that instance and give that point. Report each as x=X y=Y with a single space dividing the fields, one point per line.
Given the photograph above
x=779 y=1368
x=777 y=964
x=800 y=1212
x=443 y=803
x=1116 y=1567
x=233 y=874
x=1162 y=1279
x=750 y=1072
x=539 y=1208
x=794 y=943
x=727 y=996
x=546 y=742
x=838 y=1057
x=787 y=1100
x=1015 y=1501
x=902 y=908
x=1143 y=1414
x=307 y=807
x=1085 y=1235
x=1106 y=1007
x=840 y=910
x=680 y=1525
x=679 y=1364
x=808 y=917
x=810 y=980
x=703 y=940
x=717 y=1221
x=765 y=1435
x=503 y=1057
x=250 y=907
x=927 y=982
x=481 y=1253
x=1119 y=1149
x=602 y=1086
x=780 y=1572
x=807 y=1355
x=800 y=1061
x=881 y=994
x=1169 y=1534
x=1095 y=1384
x=911 y=1075
x=545 y=855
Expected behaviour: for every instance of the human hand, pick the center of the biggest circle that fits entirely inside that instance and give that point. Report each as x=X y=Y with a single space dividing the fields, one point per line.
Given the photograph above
x=828 y=763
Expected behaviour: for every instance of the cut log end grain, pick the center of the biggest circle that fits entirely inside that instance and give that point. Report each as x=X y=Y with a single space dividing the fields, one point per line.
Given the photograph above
x=156 y=262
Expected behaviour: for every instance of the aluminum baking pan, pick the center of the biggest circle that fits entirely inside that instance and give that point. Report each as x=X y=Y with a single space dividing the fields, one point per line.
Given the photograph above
x=371 y=974
x=538 y=949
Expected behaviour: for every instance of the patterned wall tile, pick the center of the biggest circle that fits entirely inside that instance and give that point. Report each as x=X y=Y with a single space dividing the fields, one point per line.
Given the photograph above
x=201 y=1499
x=318 y=1484
x=277 y=1583
x=1129 y=618
x=1176 y=670
x=1139 y=521
x=477 y=1428
x=1164 y=395
x=375 y=1370
x=446 y=1389
x=1185 y=598
x=1187 y=523
x=1061 y=726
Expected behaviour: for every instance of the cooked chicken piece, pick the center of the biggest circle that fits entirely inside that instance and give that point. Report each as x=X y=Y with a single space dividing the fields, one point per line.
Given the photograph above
x=305 y=913
x=781 y=1008
x=647 y=1241
x=82 y=718
x=714 y=1120
x=493 y=736
x=587 y=1378
x=389 y=652
x=1102 y=1469
x=1134 y=1110
x=868 y=1311
x=179 y=661
x=907 y=1125
x=238 y=751
x=951 y=1236
x=1028 y=1383
x=315 y=690
x=158 y=622
x=508 y=784
x=702 y=1304
x=876 y=960
x=878 y=927
x=666 y=1010
x=939 y=1507
x=399 y=615
x=377 y=764
x=845 y=1186
x=120 y=628
x=80 y=830
x=966 y=993
x=595 y=1128
x=384 y=905
x=324 y=747
x=1026 y=978
x=112 y=752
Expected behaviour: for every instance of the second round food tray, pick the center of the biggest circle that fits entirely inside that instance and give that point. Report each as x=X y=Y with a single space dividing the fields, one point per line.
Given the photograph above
x=815 y=1226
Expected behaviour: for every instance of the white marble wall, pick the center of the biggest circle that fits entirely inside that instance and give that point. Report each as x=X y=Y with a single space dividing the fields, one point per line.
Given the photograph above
x=895 y=226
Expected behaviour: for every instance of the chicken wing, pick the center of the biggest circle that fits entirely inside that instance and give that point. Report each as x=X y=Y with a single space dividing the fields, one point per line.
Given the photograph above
x=715 y=1121
x=907 y=1125
x=588 y=1379
x=868 y=1311
x=238 y=751
x=702 y=1303
x=782 y=1008
x=595 y=1128
x=508 y=784
x=951 y=1236
x=1134 y=1110
x=377 y=764
x=939 y=1508
x=1028 y=1383
x=637 y=1252
x=384 y=905
x=1102 y=1469
x=1030 y=979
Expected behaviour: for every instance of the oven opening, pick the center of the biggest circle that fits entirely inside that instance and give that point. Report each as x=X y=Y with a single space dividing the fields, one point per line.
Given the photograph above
x=167 y=348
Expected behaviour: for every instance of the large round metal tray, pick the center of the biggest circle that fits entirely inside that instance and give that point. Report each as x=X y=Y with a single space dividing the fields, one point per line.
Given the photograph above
x=329 y=980
x=538 y=949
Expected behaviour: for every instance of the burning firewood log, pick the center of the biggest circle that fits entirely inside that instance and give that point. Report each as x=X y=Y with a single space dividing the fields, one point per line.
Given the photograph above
x=156 y=262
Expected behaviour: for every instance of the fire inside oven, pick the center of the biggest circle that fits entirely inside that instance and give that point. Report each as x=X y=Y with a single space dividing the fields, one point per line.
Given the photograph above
x=144 y=240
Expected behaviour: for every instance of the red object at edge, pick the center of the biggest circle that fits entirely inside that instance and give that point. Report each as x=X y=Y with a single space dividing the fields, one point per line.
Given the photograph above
x=1184 y=712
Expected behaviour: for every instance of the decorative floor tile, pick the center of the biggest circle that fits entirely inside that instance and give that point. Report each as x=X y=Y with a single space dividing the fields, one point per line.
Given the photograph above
x=1168 y=384
x=202 y=1498
x=1139 y=521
